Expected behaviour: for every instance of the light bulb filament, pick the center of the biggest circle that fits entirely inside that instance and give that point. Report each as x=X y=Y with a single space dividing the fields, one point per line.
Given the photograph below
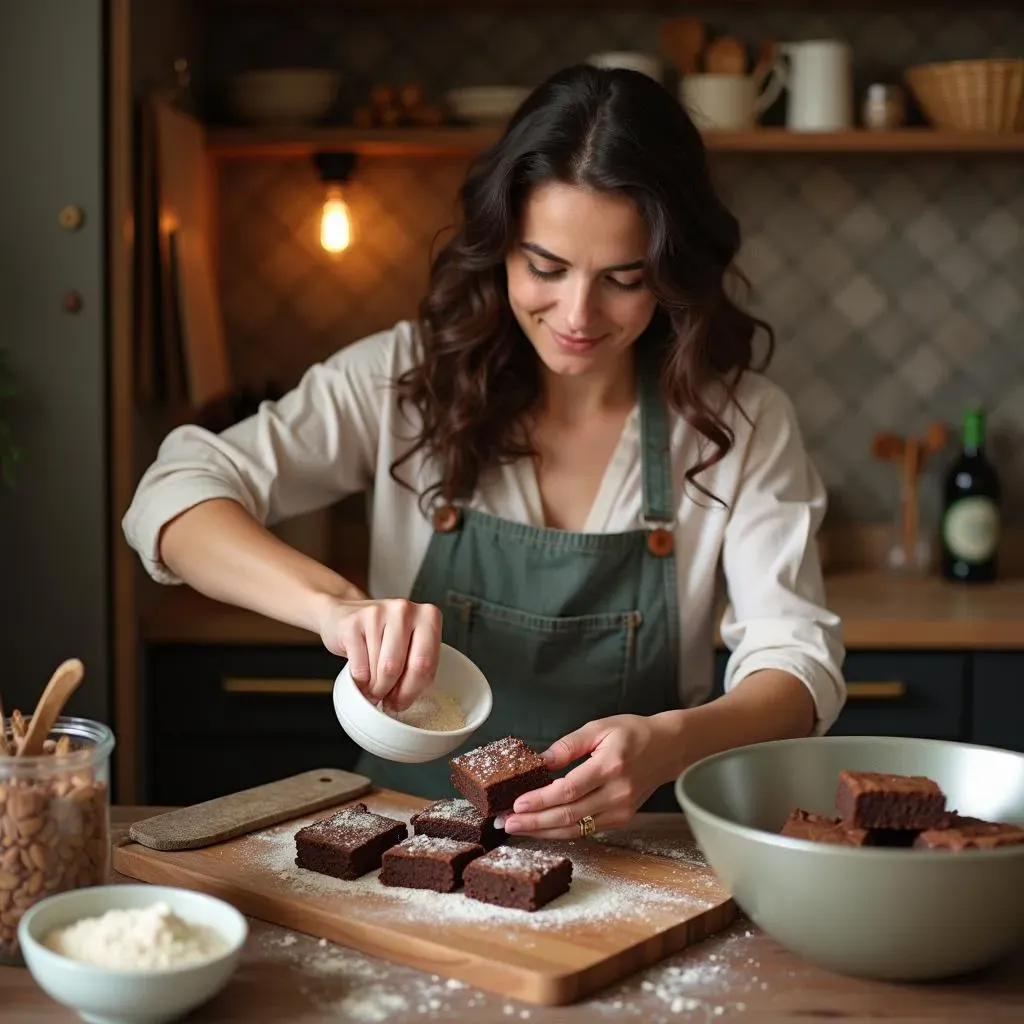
x=335 y=222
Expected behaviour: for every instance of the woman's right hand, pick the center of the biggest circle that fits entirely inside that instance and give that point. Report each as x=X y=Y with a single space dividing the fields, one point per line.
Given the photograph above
x=392 y=646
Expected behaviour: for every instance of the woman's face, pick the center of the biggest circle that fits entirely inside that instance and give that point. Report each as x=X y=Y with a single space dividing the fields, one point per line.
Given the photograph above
x=576 y=278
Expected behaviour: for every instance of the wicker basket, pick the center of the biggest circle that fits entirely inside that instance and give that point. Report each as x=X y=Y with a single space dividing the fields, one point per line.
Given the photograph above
x=971 y=95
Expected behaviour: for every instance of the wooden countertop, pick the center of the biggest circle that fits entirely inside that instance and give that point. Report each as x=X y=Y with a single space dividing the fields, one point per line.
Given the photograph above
x=739 y=975
x=878 y=611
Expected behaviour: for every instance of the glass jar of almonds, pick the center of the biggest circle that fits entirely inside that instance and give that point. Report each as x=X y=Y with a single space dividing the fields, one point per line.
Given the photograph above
x=54 y=818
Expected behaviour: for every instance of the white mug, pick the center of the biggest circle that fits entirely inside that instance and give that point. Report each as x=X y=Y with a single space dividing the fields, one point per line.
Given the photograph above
x=731 y=103
x=820 y=85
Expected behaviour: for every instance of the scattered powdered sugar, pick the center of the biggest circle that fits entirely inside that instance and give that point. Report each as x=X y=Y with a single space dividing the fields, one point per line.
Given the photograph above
x=435 y=712
x=597 y=898
x=420 y=844
x=350 y=827
x=373 y=1004
x=705 y=982
x=351 y=986
x=458 y=810
x=508 y=756
x=656 y=846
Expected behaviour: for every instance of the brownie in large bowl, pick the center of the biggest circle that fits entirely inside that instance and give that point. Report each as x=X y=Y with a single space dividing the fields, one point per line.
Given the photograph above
x=890 y=905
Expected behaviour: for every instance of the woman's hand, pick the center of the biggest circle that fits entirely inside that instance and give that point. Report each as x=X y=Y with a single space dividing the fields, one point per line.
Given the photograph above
x=392 y=646
x=629 y=758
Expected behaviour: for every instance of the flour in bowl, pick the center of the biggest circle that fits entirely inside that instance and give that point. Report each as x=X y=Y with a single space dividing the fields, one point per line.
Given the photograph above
x=435 y=712
x=142 y=938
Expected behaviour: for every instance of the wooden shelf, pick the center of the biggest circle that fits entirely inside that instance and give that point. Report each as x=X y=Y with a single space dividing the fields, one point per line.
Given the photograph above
x=255 y=143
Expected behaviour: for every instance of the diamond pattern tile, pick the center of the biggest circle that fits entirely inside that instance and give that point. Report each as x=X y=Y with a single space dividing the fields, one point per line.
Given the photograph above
x=895 y=284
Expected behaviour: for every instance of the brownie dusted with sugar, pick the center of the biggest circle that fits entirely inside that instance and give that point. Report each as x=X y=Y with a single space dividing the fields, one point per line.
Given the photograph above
x=518 y=877
x=456 y=819
x=492 y=776
x=427 y=862
x=348 y=844
x=879 y=800
x=818 y=829
x=960 y=832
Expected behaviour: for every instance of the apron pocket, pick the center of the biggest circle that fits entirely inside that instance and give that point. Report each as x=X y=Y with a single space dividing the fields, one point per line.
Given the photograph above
x=549 y=675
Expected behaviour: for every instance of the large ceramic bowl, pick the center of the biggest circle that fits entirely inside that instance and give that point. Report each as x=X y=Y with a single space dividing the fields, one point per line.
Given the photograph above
x=104 y=995
x=394 y=740
x=283 y=96
x=896 y=914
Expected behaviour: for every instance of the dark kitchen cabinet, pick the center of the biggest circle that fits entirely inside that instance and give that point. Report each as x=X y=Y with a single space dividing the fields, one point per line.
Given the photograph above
x=220 y=717
x=998 y=699
x=899 y=693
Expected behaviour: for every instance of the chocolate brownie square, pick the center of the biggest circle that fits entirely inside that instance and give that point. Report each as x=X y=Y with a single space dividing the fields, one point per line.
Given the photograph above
x=881 y=800
x=492 y=776
x=426 y=862
x=518 y=877
x=456 y=819
x=818 y=829
x=347 y=844
x=961 y=832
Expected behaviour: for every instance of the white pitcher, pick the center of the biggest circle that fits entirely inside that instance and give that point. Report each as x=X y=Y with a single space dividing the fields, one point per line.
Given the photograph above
x=820 y=85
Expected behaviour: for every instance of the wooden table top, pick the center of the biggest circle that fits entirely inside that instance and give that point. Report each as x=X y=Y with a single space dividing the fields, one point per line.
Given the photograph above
x=878 y=611
x=738 y=975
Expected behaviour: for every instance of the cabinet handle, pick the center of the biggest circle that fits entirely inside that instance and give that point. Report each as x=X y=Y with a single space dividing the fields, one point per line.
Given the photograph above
x=238 y=684
x=876 y=691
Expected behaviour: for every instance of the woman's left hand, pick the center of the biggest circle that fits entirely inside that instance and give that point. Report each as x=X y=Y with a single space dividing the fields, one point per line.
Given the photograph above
x=630 y=756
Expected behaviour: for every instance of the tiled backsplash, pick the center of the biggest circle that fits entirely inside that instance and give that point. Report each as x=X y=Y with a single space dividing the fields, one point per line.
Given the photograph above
x=895 y=284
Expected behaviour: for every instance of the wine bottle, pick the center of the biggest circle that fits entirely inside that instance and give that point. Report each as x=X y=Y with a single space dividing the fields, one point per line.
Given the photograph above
x=970 y=509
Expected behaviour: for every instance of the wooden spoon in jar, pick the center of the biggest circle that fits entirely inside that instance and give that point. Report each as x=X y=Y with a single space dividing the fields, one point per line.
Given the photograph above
x=62 y=684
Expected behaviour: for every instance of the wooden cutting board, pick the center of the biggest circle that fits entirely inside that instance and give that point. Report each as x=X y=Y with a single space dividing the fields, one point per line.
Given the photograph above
x=625 y=911
x=186 y=219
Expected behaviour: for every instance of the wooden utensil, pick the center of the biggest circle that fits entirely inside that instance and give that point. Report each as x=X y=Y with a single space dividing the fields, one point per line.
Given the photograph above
x=185 y=196
x=62 y=684
x=682 y=40
x=4 y=750
x=225 y=817
x=726 y=56
x=911 y=453
x=640 y=908
x=909 y=497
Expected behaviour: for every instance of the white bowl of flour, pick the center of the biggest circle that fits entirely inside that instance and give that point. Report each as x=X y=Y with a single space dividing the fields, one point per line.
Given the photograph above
x=452 y=709
x=132 y=954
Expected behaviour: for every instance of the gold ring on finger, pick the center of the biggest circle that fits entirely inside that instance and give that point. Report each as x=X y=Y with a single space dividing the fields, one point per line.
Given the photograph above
x=587 y=826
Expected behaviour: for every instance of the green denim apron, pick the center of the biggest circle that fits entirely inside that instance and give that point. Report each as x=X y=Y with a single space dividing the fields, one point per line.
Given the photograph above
x=566 y=627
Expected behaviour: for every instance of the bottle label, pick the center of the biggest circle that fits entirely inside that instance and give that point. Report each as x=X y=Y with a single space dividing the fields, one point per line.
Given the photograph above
x=971 y=529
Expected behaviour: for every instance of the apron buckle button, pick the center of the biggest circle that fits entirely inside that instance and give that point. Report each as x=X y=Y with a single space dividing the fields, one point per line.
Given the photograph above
x=446 y=518
x=660 y=542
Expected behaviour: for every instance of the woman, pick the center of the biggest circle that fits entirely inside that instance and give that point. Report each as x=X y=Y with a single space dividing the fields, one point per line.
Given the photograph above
x=562 y=452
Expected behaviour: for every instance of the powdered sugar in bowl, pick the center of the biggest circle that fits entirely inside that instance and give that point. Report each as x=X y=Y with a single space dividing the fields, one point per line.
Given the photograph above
x=132 y=954
x=457 y=704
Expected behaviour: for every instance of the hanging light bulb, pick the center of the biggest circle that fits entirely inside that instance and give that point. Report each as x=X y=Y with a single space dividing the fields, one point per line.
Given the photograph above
x=335 y=222
x=334 y=170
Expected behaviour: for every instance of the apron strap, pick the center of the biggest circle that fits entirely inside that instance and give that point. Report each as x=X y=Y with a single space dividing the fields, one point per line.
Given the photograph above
x=655 y=450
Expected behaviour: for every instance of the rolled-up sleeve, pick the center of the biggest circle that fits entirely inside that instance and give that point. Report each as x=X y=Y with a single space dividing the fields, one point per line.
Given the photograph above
x=776 y=617
x=314 y=446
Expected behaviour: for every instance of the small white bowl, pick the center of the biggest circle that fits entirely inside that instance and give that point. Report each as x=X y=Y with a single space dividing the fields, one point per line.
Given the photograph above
x=103 y=995
x=393 y=740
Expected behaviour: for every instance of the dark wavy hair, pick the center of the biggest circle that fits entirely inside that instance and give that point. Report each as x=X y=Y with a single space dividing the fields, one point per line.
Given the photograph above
x=477 y=377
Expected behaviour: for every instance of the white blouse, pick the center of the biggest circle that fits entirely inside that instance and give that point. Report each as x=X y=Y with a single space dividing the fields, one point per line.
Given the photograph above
x=339 y=431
